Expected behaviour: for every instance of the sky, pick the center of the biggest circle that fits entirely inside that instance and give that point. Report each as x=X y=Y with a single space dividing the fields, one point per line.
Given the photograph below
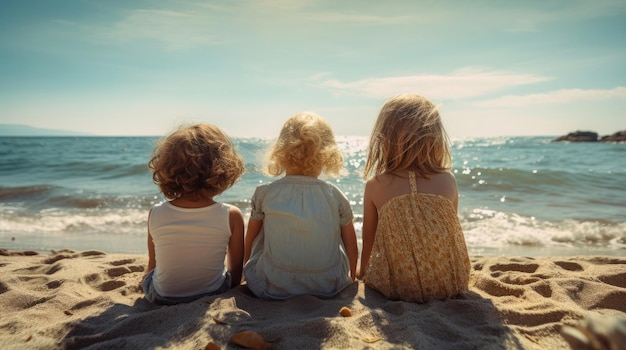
x=494 y=68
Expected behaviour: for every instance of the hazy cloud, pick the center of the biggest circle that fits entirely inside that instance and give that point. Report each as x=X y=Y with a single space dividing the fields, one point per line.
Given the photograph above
x=463 y=83
x=557 y=96
x=174 y=30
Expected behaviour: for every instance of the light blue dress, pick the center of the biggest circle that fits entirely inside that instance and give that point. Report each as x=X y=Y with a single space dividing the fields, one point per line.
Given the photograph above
x=299 y=249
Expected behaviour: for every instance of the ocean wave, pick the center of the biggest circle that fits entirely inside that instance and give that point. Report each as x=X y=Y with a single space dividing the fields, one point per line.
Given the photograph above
x=58 y=222
x=530 y=180
x=24 y=192
x=495 y=229
x=485 y=230
x=125 y=170
x=30 y=200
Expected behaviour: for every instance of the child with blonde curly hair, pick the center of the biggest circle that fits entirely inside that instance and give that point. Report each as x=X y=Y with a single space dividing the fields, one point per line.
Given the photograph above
x=413 y=244
x=300 y=237
x=191 y=235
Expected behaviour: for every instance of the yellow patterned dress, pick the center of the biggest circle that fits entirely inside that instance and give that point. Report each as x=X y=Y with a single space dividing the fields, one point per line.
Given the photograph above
x=419 y=250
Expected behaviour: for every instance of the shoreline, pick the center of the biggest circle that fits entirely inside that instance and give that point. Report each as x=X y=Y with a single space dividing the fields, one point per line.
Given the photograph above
x=75 y=299
x=137 y=245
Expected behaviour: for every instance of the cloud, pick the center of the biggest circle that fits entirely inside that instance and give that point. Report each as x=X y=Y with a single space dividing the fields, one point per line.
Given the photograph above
x=339 y=12
x=463 y=83
x=191 y=24
x=527 y=17
x=174 y=30
x=278 y=5
x=555 y=97
x=366 y=18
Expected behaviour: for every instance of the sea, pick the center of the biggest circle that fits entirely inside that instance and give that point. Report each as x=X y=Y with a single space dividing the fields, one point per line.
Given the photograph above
x=519 y=196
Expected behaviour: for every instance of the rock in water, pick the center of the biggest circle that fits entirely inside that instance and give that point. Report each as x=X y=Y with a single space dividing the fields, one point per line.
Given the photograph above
x=579 y=136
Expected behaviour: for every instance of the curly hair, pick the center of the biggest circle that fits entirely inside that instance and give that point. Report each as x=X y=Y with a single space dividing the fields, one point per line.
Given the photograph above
x=198 y=159
x=306 y=145
x=408 y=135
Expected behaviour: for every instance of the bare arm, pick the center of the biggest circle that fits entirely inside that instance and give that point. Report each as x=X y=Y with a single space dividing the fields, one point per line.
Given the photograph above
x=348 y=236
x=235 y=246
x=455 y=196
x=254 y=227
x=151 y=254
x=370 y=221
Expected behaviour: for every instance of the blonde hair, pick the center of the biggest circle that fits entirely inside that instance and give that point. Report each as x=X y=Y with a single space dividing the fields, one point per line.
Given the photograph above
x=408 y=135
x=199 y=159
x=306 y=145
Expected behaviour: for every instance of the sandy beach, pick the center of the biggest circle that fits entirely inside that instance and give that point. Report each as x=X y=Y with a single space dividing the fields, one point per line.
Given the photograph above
x=91 y=299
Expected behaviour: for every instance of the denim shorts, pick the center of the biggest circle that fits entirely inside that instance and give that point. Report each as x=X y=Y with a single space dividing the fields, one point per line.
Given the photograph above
x=152 y=296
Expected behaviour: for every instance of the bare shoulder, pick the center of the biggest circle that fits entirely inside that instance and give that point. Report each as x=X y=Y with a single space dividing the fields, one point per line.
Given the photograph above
x=382 y=180
x=378 y=183
x=443 y=184
x=381 y=188
x=235 y=218
x=234 y=213
x=233 y=210
x=446 y=177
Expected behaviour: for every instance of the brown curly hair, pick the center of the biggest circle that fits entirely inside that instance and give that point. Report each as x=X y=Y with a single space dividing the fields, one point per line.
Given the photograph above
x=306 y=145
x=198 y=159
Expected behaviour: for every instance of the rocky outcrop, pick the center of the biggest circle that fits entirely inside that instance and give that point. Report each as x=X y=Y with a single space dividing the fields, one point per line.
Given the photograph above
x=619 y=136
x=579 y=136
x=590 y=136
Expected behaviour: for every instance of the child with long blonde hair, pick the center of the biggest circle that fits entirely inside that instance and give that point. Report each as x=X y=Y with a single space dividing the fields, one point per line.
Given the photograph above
x=413 y=244
x=300 y=237
x=190 y=235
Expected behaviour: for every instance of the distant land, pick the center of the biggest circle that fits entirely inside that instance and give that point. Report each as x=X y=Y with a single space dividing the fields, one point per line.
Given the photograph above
x=25 y=130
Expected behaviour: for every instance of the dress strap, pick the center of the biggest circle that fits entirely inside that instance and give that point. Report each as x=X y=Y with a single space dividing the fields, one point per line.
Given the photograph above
x=412 y=182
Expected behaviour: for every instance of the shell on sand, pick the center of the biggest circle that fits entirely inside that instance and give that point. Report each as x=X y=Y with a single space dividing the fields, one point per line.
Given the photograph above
x=345 y=312
x=212 y=346
x=250 y=340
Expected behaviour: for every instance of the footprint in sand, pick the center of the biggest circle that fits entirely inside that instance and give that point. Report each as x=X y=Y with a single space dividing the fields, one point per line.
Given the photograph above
x=30 y=303
x=122 y=262
x=612 y=300
x=543 y=288
x=92 y=253
x=57 y=257
x=54 y=269
x=618 y=280
x=70 y=254
x=84 y=304
x=497 y=288
x=541 y=317
x=54 y=284
x=3 y=288
x=91 y=279
x=478 y=266
x=509 y=279
x=527 y=268
x=569 y=266
x=118 y=271
x=110 y=285
x=121 y=268
x=515 y=273
x=95 y=281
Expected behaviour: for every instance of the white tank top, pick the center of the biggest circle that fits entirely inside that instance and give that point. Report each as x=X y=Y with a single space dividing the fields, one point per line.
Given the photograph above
x=190 y=248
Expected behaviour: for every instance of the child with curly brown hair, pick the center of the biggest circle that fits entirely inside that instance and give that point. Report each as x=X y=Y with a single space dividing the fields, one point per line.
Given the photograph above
x=300 y=237
x=190 y=235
